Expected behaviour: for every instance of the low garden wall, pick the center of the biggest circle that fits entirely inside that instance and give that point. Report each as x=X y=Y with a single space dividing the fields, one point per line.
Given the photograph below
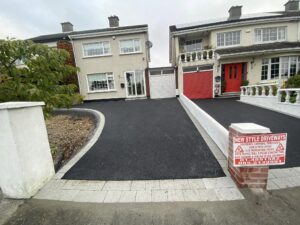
x=215 y=130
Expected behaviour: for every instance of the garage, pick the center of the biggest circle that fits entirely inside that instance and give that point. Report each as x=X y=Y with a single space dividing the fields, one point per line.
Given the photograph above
x=198 y=84
x=162 y=83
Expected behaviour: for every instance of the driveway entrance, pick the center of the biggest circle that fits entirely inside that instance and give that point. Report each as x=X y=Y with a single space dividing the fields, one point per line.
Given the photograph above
x=146 y=140
x=227 y=111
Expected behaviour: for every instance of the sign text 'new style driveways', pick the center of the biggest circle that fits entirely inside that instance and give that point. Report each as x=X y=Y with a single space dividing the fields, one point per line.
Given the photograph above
x=259 y=150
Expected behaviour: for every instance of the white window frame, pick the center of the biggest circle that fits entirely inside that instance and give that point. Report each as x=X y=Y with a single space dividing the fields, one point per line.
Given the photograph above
x=224 y=37
x=108 y=74
x=269 y=41
x=134 y=52
x=280 y=67
x=99 y=55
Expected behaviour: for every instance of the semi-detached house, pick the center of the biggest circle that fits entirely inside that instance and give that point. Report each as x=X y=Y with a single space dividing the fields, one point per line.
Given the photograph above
x=113 y=61
x=216 y=57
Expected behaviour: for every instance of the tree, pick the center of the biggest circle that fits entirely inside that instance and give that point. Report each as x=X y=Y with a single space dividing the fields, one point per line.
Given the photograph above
x=40 y=77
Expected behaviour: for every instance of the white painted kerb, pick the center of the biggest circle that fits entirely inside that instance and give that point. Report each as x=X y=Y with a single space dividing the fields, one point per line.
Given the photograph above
x=25 y=158
x=249 y=128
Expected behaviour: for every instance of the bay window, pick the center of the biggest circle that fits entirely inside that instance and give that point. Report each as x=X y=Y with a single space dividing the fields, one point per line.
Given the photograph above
x=280 y=67
x=101 y=82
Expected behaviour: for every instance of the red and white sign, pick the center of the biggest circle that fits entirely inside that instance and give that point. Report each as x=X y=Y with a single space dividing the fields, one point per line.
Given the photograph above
x=259 y=150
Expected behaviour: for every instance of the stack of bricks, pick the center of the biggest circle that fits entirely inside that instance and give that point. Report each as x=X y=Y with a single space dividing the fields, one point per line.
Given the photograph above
x=246 y=177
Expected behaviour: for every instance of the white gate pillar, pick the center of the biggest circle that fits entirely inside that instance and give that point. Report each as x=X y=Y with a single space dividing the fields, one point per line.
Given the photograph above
x=25 y=159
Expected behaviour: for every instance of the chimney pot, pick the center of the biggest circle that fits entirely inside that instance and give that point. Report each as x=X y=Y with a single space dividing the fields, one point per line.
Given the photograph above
x=235 y=12
x=66 y=27
x=113 y=21
x=292 y=5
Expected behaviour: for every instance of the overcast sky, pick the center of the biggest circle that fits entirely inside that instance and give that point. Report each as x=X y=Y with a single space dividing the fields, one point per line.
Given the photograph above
x=29 y=18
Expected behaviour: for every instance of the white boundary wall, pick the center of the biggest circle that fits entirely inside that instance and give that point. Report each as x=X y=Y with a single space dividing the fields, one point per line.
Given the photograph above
x=271 y=102
x=215 y=130
x=25 y=157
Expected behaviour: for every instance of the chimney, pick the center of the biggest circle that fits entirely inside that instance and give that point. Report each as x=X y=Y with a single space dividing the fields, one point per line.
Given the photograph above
x=292 y=5
x=113 y=21
x=235 y=12
x=66 y=27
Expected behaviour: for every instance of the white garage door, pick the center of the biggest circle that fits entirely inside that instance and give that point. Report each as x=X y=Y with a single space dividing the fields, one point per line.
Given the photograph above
x=162 y=85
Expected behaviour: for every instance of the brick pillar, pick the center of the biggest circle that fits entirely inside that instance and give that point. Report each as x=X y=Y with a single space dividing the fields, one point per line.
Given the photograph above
x=247 y=177
x=66 y=45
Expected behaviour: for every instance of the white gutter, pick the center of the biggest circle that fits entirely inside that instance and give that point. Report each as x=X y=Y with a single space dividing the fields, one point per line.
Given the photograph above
x=109 y=33
x=236 y=24
x=261 y=52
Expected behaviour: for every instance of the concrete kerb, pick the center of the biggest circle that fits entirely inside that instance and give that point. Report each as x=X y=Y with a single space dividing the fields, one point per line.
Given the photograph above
x=99 y=119
x=136 y=191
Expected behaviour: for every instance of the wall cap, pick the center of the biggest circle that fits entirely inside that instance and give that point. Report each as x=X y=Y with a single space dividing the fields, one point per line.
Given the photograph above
x=16 y=105
x=249 y=128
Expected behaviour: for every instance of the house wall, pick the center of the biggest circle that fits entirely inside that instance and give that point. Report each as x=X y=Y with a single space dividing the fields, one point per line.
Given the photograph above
x=247 y=39
x=248 y=33
x=115 y=63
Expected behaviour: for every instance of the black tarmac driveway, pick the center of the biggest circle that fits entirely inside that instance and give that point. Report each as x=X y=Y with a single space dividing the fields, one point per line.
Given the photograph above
x=145 y=139
x=227 y=111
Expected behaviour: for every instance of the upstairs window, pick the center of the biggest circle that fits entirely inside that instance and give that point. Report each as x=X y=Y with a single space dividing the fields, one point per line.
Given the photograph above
x=192 y=45
x=228 y=39
x=130 y=46
x=270 y=34
x=96 y=49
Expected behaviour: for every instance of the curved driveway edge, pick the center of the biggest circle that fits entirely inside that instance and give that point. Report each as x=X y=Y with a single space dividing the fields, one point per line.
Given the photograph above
x=100 y=122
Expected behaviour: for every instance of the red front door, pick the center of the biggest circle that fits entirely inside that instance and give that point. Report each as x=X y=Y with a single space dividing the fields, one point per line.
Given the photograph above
x=233 y=77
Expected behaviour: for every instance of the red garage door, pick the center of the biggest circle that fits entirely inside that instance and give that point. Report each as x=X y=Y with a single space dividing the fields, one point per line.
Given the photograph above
x=198 y=84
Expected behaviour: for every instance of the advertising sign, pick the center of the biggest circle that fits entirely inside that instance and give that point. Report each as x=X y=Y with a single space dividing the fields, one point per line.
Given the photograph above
x=259 y=150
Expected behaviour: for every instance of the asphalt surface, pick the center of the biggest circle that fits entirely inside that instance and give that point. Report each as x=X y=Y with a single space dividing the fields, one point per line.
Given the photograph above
x=277 y=207
x=227 y=111
x=145 y=140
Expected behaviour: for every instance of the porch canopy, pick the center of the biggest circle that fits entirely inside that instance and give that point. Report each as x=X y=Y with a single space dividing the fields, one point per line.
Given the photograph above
x=260 y=49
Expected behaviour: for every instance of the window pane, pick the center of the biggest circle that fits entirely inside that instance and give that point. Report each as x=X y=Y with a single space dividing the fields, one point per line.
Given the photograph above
x=274 y=68
x=130 y=46
x=137 y=45
x=101 y=81
x=293 y=66
x=284 y=66
x=220 y=39
x=281 y=33
x=258 y=35
x=98 y=48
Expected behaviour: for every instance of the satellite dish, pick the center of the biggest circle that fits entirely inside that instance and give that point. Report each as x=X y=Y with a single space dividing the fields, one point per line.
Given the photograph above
x=149 y=44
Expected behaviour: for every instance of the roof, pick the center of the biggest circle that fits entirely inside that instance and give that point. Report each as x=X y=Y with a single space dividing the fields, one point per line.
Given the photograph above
x=65 y=36
x=246 y=17
x=259 y=48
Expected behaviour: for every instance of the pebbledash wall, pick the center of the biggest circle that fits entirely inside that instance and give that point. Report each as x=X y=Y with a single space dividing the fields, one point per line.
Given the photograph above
x=116 y=63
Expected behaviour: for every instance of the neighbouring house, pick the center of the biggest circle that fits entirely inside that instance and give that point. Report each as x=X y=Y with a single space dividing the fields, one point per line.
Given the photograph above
x=60 y=41
x=113 y=61
x=216 y=57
